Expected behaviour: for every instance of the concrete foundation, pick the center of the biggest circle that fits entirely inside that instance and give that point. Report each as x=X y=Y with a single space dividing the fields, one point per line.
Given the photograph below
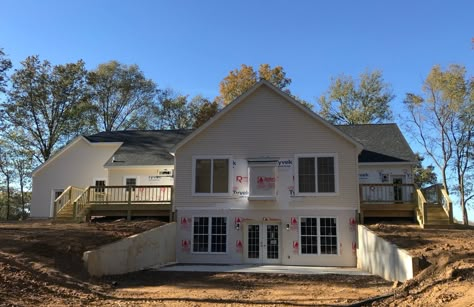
x=140 y=251
x=382 y=258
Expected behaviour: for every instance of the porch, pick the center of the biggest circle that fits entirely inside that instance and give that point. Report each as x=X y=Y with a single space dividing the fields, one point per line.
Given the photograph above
x=431 y=206
x=81 y=204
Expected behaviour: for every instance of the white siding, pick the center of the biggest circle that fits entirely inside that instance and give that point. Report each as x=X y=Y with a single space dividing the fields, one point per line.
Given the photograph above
x=76 y=166
x=373 y=173
x=266 y=125
x=145 y=176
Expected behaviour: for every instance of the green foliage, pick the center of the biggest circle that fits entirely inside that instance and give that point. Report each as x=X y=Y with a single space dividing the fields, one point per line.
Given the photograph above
x=202 y=110
x=122 y=97
x=5 y=64
x=45 y=105
x=241 y=80
x=349 y=102
x=173 y=111
x=442 y=118
x=424 y=176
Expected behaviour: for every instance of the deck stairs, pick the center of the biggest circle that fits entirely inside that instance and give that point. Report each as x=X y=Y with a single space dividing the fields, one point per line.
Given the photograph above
x=77 y=204
x=435 y=209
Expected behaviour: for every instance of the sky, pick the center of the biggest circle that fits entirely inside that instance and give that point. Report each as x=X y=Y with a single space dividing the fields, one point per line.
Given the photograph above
x=190 y=46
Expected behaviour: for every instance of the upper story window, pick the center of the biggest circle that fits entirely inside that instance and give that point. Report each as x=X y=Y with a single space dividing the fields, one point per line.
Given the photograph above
x=262 y=179
x=317 y=174
x=211 y=175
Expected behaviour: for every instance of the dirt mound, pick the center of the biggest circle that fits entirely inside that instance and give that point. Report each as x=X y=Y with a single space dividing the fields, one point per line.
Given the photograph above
x=447 y=277
x=41 y=264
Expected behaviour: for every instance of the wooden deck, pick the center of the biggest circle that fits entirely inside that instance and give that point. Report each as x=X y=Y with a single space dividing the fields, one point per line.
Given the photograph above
x=127 y=201
x=406 y=201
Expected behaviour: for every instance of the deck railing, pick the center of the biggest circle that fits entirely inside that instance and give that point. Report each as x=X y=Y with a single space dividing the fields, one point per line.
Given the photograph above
x=437 y=195
x=382 y=193
x=122 y=195
x=422 y=215
x=66 y=197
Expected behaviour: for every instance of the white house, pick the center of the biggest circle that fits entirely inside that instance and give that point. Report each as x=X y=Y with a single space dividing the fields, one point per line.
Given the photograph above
x=267 y=181
x=117 y=158
x=264 y=181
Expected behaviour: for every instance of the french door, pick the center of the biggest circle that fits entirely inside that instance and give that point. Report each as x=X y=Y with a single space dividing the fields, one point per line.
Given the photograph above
x=262 y=243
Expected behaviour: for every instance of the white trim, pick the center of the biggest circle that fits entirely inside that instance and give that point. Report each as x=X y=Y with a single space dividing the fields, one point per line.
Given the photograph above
x=316 y=156
x=137 y=179
x=137 y=166
x=386 y=163
x=212 y=157
x=319 y=235
x=252 y=166
x=67 y=147
x=53 y=192
x=99 y=179
x=282 y=94
x=209 y=235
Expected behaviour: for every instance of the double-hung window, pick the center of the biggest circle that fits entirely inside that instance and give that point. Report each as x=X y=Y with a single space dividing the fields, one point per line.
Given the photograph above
x=211 y=175
x=209 y=234
x=317 y=174
x=318 y=235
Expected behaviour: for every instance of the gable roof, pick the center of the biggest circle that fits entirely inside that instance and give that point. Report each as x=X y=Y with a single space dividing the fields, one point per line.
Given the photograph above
x=280 y=93
x=140 y=147
x=382 y=143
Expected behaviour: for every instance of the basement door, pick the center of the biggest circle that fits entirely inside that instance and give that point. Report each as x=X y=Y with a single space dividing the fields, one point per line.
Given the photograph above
x=262 y=243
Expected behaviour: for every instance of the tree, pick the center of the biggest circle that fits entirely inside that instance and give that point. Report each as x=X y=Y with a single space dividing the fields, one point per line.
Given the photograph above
x=45 y=104
x=424 y=176
x=6 y=170
x=173 y=111
x=122 y=96
x=202 y=109
x=5 y=64
x=239 y=81
x=442 y=118
x=349 y=102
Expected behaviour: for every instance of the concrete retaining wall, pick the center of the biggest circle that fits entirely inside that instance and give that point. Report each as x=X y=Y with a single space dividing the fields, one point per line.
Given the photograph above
x=382 y=258
x=153 y=247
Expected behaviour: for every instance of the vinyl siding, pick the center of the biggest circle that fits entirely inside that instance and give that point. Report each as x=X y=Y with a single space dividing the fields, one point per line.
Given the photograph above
x=76 y=166
x=266 y=125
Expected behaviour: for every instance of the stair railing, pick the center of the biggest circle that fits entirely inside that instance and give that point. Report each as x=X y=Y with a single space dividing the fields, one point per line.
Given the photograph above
x=422 y=207
x=80 y=203
x=65 y=198
x=446 y=202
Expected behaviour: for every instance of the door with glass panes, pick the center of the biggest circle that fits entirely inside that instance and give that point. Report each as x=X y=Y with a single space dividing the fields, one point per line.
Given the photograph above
x=262 y=242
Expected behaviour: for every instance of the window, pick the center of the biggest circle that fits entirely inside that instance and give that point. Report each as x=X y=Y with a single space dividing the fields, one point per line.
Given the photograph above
x=130 y=182
x=99 y=185
x=211 y=176
x=209 y=234
x=262 y=179
x=316 y=174
x=318 y=235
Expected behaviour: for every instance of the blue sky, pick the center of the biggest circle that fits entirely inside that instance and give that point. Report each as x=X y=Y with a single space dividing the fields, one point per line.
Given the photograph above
x=191 y=46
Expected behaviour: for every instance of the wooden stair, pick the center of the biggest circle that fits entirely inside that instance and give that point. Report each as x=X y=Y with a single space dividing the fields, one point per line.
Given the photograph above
x=437 y=217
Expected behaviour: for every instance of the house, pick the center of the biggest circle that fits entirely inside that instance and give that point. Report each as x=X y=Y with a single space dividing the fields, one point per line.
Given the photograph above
x=264 y=181
x=269 y=181
x=106 y=160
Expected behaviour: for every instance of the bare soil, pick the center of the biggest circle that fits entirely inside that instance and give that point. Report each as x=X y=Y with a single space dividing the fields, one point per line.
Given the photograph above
x=40 y=264
x=447 y=259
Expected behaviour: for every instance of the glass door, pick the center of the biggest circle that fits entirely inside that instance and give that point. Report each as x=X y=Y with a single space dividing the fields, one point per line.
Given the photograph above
x=262 y=243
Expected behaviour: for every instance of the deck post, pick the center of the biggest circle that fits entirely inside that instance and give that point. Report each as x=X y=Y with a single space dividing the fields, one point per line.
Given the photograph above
x=74 y=210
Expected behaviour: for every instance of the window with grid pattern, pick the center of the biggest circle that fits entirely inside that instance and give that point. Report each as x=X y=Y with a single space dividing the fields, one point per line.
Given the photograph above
x=201 y=234
x=210 y=235
x=318 y=235
x=328 y=232
x=309 y=235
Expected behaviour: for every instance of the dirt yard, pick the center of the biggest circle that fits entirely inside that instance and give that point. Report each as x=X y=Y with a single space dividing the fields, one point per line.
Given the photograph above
x=40 y=264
